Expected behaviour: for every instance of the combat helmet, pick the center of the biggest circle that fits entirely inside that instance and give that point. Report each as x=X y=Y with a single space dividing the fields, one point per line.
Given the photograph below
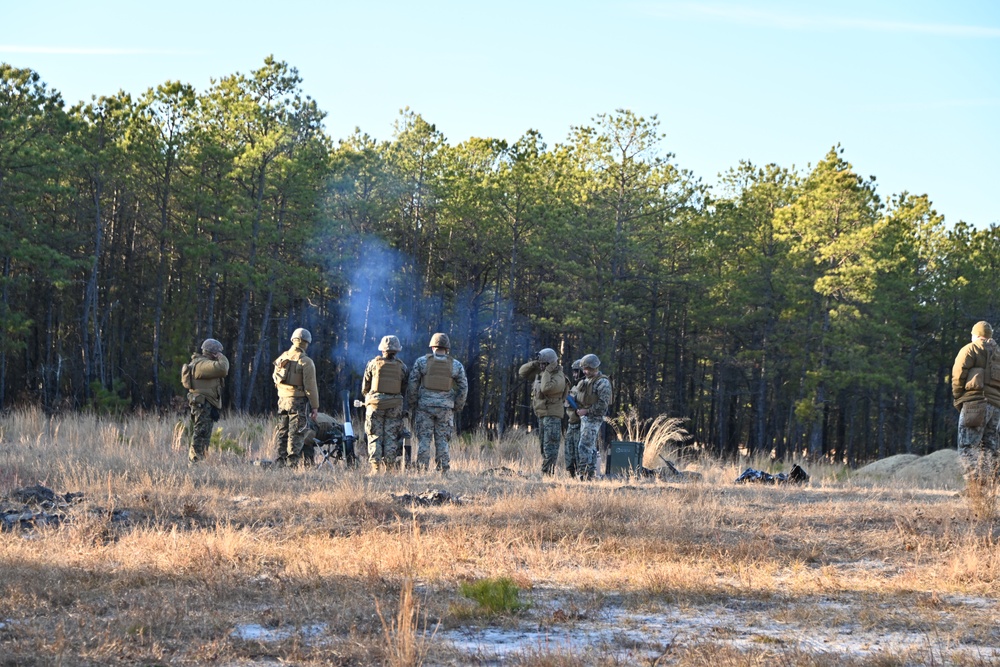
x=390 y=344
x=440 y=340
x=590 y=361
x=211 y=346
x=548 y=356
x=982 y=329
x=302 y=334
x=576 y=365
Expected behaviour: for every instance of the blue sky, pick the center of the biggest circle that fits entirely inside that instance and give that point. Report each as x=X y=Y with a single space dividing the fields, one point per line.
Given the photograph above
x=911 y=90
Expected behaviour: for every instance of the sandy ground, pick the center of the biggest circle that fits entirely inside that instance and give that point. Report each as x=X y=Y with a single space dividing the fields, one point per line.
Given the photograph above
x=940 y=470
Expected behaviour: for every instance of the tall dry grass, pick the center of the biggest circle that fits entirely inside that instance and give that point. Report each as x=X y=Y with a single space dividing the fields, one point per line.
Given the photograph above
x=161 y=562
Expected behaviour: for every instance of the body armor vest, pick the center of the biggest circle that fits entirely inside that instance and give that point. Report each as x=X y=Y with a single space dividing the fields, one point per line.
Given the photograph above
x=288 y=371
x=388 y=376
x=438 y=375
x=589 y=397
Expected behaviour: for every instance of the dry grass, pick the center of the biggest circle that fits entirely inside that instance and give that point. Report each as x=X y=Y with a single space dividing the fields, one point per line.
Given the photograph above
x=163 y=563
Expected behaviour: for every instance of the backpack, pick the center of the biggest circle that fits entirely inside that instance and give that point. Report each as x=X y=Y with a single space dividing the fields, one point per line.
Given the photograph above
x=187 y=376
x=282 y=370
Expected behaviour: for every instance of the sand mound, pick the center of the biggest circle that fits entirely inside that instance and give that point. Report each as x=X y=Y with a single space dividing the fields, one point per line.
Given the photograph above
x=887 y=467
x=938 y=470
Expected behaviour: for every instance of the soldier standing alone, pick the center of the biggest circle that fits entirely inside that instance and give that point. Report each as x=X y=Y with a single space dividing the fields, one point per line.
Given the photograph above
x=975 y=385
x=384 y=380
x=437 y=389
x=204 y=377
x=548 y=391
x=594 y=405
x=295 y=379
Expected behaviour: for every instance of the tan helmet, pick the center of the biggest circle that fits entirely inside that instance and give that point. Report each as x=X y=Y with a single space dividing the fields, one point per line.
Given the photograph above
x=302 y=334
x=983 y=330
x=211 y=346
x=576 y=365
x=390 y=344
x=590 y=361
x=548 y=356
x=440 y=340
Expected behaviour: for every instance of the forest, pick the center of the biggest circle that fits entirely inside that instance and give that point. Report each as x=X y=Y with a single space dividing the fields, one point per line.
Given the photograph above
x=796 y=312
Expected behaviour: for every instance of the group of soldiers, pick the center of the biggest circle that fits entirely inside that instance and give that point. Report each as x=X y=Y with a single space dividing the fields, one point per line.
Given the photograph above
x=429 y=394
x=586 y=402
x=434 y=390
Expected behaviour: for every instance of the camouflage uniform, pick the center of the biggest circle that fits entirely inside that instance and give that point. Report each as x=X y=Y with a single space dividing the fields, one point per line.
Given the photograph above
x=296 y=397
x=207 y=376
x=596 y=400
x=547 y=394
x=573 y=430
x=384 y=414
x=975 y=384
x=434 y=410
x=323 y=430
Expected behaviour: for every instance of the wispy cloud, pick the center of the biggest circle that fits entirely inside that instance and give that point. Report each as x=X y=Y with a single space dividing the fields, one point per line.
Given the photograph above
x=795 y=21
x=89 y=51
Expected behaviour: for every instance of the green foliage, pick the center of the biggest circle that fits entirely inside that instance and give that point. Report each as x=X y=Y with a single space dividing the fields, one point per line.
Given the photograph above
x=223 y=444
x=495 y=596
x=109 y=401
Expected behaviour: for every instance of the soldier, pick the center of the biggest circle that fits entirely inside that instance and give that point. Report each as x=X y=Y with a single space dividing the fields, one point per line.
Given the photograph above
x=548 y=391
x=573 y=427
x=204 y=377
x=594 y=405
x=295 y=379
x=384 y=380
x=435 y=392
x=324 y=429
x=975 y=384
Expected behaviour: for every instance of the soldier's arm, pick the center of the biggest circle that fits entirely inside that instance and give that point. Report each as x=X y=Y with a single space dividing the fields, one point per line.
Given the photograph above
x=366 y=381
x=210 y=369
x=461 y=385
x=553 y=384
x=309 y=384
x=413 y=385
x=404 y=383
x=529 y=370
x=603 y=391
x=960 y=372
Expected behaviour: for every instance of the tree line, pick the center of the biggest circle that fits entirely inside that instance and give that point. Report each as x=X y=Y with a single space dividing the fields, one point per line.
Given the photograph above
x=785 y=311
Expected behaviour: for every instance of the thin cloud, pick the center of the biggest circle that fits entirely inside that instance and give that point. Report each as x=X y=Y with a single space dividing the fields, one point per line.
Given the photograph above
x=789 y=21
x=88 y=51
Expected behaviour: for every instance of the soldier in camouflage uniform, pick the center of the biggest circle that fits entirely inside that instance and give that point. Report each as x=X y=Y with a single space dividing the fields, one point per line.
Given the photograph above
x=436 y=390
x=573 y=427
x=204 y=377
x=322 y=430
x=382 y=386
x=975 y=385
x=298 y=399
x=594 y=405
x=548 y=391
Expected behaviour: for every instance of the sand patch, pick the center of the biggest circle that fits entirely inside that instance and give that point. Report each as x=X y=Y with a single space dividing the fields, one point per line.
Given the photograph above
x=938 y=470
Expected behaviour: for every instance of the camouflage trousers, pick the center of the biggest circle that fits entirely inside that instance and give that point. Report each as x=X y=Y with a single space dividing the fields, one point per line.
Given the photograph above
x=572 y=445
x=384 y=428
x=550 y=433
x=290 y=431
x=979 y=447
x=203 y=418
x=586 y=457
x=437 y=424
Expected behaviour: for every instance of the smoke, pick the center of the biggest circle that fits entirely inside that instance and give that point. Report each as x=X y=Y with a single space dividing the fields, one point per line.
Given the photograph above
x=381 y=300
